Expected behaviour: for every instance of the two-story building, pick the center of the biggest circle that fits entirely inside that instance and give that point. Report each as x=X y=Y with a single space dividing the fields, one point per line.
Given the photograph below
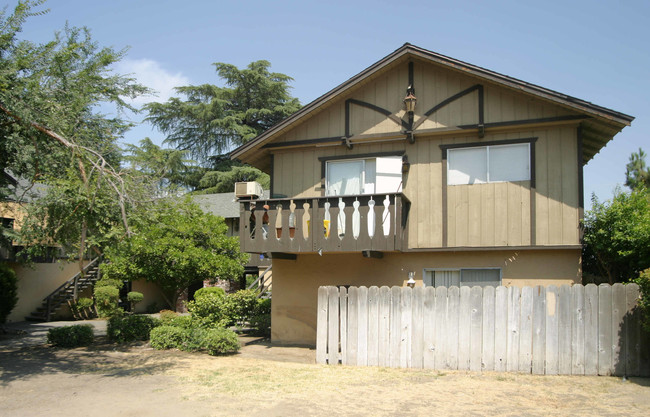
x=426 y=170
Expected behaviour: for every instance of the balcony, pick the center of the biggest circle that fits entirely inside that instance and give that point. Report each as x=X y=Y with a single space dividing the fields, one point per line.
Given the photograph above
x=372 y=224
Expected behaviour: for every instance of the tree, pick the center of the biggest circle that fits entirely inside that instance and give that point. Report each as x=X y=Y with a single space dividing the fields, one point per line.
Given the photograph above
x=213 y=119
x=616 y=243
x=8 y=291
x=52 y=131
x=224 y=181
x=175 y=244
x=637 y=174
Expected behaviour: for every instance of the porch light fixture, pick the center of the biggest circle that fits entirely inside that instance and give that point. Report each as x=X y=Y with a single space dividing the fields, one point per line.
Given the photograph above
x=411 y=281
x=410 y=100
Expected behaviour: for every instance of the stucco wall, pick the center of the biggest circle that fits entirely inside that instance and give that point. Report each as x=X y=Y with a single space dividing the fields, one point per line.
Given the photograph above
x=295 y=283
x=36 y=283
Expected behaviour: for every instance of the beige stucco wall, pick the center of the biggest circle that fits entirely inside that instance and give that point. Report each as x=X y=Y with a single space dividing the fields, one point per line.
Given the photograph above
x=295 y=283
x=37 y=282
x=152 y=294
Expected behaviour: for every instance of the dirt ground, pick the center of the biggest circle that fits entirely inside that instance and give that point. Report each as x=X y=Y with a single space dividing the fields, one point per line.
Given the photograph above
x=135 y=380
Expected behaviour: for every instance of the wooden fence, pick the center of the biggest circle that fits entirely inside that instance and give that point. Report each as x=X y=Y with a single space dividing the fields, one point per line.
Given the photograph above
x=571 y=330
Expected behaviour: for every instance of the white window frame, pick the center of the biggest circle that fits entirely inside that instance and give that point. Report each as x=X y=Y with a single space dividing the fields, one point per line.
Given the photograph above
x=487 y=148
x=364 y=160
x=459 y=270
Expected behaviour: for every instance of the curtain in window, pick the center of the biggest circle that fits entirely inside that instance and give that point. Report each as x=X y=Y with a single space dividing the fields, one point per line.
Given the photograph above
x=344 y=178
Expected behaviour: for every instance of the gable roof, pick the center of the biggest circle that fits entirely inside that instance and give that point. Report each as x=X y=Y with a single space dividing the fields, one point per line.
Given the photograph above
x=600 y=126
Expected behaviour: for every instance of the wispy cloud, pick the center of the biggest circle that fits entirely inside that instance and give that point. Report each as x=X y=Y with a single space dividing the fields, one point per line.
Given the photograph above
x=151 y=74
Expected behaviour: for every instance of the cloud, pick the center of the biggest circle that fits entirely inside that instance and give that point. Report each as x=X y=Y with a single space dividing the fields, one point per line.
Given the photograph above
x=151 y=74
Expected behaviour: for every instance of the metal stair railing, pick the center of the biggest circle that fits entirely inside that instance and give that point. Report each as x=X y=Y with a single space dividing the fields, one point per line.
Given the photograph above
x=260 y=282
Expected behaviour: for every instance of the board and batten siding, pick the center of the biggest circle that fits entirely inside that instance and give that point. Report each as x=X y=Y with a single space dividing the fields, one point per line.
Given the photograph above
x=566 y=330
x=478 y=215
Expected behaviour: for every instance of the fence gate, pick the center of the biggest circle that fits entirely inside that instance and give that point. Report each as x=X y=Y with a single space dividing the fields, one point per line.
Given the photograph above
x=569 y=330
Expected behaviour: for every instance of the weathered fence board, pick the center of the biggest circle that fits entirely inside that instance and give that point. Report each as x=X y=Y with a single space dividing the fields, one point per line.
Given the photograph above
x=568 y=330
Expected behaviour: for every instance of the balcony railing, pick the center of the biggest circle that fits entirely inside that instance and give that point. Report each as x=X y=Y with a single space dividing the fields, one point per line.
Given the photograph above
x=373 y=222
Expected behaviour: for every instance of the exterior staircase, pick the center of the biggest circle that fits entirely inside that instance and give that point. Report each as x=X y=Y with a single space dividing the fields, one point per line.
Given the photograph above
x=66 y=292
x=263 y=284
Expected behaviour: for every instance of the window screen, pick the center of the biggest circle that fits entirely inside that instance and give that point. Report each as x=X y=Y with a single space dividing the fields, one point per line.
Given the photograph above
x=364 y=176
x=498 y=163
x=462 y=277
x=344 y=178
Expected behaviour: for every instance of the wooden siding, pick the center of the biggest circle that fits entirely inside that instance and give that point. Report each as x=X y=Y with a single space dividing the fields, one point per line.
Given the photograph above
x=482 y=215
x=432 y=85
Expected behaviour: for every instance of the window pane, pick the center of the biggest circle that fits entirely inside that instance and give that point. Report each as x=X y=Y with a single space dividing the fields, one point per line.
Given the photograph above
x=509 y=162
x=480 y=277
x=446 y=278
x=389 y=174
x=467 y=166
x=370 y=176
x=344 y=178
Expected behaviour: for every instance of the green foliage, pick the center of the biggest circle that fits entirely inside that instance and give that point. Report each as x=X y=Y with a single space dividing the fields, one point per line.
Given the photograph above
x=616 y=243
x=130 y=328
x=173 y=245
x=168 y=337
x=107 y=300
x=637 y=174
x=8 y=291
x=213 y=311
x=53 y=131
x=211 y=341
x=644 y=303
x=209 y=290
x=261 y=318
x=85 y=302
x=71 y=336
x=224 y=181
x=134 y=298
x=171 y=318
x=214 y=119
x=210 y=310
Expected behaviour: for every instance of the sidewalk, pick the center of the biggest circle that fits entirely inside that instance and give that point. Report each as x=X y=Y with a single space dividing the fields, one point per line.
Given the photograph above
x=35 y=333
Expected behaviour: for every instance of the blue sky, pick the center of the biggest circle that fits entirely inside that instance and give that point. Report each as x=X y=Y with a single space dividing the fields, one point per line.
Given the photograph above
x=595 y=50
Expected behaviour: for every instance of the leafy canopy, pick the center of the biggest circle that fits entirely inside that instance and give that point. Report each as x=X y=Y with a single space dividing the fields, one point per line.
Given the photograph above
x=175 y=244
x=637 y=174
x=213 y=119
x=617 y=236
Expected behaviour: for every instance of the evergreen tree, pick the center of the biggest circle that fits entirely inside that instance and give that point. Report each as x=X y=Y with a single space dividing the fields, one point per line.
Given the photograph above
x=212 y=120
x=637 y=174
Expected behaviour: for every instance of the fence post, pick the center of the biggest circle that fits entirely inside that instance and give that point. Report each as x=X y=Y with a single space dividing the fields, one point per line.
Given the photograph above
x=321 y=326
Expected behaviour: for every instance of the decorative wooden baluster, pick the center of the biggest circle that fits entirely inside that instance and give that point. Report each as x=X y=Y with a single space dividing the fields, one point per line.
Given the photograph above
x=356 y=220
x=386 y=216
x=371 y=217
x=306 y=217
x=252 y=221
x=326 y=219
x=265 y=222
x=278 y=222
x=341 y=219
x=292 y=220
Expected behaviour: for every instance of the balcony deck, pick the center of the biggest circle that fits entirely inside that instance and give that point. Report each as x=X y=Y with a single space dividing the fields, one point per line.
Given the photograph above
x=372 y=222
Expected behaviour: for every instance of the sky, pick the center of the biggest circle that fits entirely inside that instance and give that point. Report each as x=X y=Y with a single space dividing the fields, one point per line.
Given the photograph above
x=594 y=50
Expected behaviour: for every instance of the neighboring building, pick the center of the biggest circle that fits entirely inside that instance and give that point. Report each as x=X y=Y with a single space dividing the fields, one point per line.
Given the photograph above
x=481 y=185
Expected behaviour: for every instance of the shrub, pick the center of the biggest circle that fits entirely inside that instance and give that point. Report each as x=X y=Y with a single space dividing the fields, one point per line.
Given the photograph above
x=212 y=341
x=168 y=337
x=209 y=290
x=241 y=305
x=8 y=291
x=130 y=328
x=644 y=303
x=166 y=315
x=218 y=341
x=134 y=298
x=107 y=300
x=84 y=302
x=210 y=310
x=71 y=336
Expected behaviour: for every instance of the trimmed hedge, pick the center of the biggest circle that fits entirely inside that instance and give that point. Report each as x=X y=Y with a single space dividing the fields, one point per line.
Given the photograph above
x=211 y=341
x=214 y=311
x=71 y=336
x=130 y=328
x=209 y=290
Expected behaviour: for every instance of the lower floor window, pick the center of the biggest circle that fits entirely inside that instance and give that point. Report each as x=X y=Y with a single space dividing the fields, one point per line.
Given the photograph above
x=466 y=277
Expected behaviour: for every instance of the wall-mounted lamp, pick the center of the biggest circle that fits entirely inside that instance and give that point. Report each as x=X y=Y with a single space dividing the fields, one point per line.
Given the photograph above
x=410 y=100
x=406 y=165
x=411 y=281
